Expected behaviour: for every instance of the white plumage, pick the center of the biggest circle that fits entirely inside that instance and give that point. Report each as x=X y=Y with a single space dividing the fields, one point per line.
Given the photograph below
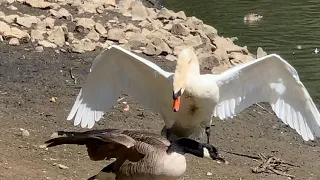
x=267 y=79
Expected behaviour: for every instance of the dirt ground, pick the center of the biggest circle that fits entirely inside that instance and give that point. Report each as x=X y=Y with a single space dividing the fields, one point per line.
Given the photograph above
x=28 y=80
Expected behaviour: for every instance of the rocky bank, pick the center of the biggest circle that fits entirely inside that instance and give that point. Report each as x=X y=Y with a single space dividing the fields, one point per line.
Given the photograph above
x=88 y=25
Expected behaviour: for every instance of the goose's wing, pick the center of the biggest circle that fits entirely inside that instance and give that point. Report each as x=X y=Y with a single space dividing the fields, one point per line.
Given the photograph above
x=147 y=137
x=115 y=70
x=268 y=79
x=101 y=144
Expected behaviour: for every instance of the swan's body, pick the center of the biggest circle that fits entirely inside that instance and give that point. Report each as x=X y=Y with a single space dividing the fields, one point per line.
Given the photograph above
x=267 y=79
x=139 y=155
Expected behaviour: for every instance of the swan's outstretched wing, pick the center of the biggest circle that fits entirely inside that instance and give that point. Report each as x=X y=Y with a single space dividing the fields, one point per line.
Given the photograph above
x=115 y=70
x=268 y=79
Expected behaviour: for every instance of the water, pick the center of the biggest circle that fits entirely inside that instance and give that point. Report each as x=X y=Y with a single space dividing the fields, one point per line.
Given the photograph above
x=284 y=26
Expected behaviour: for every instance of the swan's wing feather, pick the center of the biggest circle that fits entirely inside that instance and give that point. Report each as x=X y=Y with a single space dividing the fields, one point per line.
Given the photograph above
x=268 y=79
x=115 y=70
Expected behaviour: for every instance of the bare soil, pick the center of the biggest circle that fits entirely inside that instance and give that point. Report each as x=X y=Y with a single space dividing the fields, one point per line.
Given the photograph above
x=28 y=80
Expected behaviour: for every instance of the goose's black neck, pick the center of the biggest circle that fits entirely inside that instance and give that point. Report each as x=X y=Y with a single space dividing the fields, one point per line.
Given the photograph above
x=186 y=145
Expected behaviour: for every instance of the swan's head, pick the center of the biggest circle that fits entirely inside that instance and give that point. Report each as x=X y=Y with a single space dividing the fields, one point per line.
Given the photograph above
x=185 y=57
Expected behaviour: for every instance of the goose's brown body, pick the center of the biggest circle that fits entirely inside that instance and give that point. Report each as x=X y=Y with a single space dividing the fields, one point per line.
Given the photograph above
x=139 y=155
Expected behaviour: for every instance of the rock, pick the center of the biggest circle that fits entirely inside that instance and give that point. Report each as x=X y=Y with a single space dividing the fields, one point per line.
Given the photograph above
x=133 y=28
x=261 y=52
x=46 y=23
x=116 y=34
x=123 y=41
x=126 y=46
x=209 y=173
x=151 y=13
x=208 y=60
x=54 y=135
x=36 y=35
x=70 y=36
x=151 y=50
x=4 y=27
x=194 y=23
x=17 y=33
x=83 y=45
x=229 y=46
x=168 y=26
x=171 y=57
x=10 y=18
x=27 y=21
x=127 y=14
x=10 y=1
x=236 y=58
x=14 y=41
x=61 y=166
x=88 y=7
x=139 y=11
x=13 y=8
x=2 y=15
x=161 y=45
x=62 y=13
x=159 y=33
x=101 y=30
x=47 y=44
x=107 y=2
x=39 y=4
x=124 y=5
x=93 y=35
x=210 y=31
x=156 y=24
x=173 y=41
x=57 y=36
x=137 y=40
x=164 y=13
x=85 y=25
x=39 y=49
x=192 y=40
x=24 y=132
x=180 y=30
x=181 y=15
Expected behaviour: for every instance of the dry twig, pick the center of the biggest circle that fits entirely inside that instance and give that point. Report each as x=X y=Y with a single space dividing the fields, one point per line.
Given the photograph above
x=72 y=76
x=264 y=108
x=273 y=164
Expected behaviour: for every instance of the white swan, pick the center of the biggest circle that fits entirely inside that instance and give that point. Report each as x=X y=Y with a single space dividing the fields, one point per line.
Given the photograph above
x=267 y=79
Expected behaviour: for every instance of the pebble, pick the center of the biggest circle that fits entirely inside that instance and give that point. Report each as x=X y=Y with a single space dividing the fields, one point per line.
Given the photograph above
x=61 y=166
x=39 y=49
x=14 y=41
x=54 y=135
x=24 y=132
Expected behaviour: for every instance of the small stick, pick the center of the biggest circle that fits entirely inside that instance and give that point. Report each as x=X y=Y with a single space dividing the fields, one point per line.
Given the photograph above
x=239 y=154
x=72 y=76
x=264 y=108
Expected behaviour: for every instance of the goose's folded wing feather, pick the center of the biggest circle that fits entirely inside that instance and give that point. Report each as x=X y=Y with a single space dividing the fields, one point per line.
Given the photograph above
x=268 y=79
x=117 y=70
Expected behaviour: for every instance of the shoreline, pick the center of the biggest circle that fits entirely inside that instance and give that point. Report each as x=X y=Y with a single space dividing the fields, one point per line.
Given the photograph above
x=149 y=31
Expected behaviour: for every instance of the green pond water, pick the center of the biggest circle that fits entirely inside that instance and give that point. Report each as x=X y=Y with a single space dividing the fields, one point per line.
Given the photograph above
x=285 y=25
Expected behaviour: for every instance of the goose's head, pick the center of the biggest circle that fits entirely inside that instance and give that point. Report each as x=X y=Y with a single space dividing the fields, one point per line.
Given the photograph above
x=204 y=150
x=186 y=57
x=211 y=152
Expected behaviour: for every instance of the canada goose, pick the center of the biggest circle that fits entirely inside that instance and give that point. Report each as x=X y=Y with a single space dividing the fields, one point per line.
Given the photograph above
x=139 y=154
x=266 y=79
x=251 y=17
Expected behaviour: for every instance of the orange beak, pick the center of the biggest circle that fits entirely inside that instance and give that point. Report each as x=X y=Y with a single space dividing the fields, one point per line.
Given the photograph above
x=176 y=104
